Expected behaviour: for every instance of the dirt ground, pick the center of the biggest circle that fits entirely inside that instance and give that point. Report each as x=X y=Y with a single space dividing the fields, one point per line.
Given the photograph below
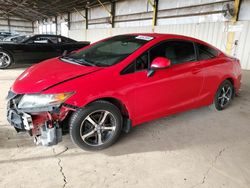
x=199 y=148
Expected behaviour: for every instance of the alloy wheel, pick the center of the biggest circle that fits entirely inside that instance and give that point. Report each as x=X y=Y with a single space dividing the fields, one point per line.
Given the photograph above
x=225 y=95
x=98 y=128
x=5 y=60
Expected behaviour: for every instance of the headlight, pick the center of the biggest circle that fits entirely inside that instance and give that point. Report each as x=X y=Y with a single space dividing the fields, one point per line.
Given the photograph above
x=43 y=100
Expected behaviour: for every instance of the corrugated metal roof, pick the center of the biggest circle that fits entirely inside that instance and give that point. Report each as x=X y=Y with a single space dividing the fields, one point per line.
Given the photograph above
x=38 y=10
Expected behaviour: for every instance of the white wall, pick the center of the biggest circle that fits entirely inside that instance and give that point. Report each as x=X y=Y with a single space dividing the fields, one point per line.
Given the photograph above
x=16 y=25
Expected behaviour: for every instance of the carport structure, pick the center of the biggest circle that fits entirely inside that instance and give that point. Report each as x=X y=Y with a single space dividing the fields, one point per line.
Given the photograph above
x=38 y=10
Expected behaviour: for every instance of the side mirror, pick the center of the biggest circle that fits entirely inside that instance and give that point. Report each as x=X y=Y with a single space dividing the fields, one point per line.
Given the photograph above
x=159 y=63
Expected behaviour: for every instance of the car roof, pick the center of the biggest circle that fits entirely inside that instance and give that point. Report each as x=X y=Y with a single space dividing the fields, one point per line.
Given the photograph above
x=48 y=35
x=165 y=36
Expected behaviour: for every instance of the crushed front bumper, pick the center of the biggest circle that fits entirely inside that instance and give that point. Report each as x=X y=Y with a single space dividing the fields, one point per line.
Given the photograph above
x=20 y=120
x=43 y=124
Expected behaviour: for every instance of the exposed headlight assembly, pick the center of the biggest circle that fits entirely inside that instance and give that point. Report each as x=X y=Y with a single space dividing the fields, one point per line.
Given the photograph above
x=43 y=100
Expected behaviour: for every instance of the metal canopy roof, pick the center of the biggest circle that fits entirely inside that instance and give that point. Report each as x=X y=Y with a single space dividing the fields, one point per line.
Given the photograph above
x=42 y=9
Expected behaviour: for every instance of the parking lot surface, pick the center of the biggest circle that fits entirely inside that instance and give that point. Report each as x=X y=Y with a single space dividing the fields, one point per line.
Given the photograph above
x=199 y=148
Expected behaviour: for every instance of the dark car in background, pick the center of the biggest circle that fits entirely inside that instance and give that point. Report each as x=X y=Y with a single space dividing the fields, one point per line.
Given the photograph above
x=34 y=49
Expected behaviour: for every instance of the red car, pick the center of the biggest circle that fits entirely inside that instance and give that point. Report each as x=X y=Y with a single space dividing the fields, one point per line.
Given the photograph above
x=112 y=85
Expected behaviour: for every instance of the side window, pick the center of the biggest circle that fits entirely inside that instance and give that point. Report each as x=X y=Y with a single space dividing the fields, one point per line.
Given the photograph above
x=141 y=63
x=129 y=69
x=64 y=40
x=43 y=40
x=53 y=39
x=40 y=40
x=176 y=51
x=206 y=52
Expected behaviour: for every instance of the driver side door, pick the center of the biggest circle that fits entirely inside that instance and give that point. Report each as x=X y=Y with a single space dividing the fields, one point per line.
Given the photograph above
x=168 y=90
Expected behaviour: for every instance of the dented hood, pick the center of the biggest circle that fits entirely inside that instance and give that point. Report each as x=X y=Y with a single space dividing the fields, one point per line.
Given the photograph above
x=47 y=74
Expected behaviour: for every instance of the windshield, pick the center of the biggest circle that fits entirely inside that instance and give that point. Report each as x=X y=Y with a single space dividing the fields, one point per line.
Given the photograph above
x=109 y=52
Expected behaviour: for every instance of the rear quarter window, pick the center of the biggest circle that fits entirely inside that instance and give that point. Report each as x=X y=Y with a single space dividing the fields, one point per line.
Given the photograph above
x=206 y=52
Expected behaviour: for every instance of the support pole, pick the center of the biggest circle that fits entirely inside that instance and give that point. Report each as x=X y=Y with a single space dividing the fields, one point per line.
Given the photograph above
x=86 y=18
x=69 y=24
x=156 y=3
x=56 y=25
x=155 y=12
x=33 y=27
x=231 y=34
x=9 y=24
x=113 y=14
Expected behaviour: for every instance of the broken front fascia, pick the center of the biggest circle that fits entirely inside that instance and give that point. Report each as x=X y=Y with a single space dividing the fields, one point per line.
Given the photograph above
x=47 y=116
x=41 y=122
x=47 y=130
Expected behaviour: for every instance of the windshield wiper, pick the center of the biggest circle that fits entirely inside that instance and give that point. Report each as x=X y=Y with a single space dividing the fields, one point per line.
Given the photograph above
x=79 y=61
x=86 y=62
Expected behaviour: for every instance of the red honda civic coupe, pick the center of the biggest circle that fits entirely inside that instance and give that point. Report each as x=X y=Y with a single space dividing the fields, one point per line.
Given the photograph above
x=117 y=83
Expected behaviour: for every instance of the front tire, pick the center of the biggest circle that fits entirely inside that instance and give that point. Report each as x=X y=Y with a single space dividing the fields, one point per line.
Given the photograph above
x=96 y=126
x=6 y=59
x=223 y=96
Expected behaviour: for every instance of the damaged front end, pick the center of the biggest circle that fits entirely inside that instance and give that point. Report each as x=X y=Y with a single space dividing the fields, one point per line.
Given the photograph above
x=39 y=115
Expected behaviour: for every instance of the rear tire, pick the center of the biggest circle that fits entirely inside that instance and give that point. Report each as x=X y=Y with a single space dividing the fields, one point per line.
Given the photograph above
x=6 y=59
x=223 y=96
x=96 y=126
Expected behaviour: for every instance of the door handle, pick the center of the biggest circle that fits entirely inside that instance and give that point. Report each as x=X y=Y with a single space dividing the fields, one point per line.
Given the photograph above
x=196 y=70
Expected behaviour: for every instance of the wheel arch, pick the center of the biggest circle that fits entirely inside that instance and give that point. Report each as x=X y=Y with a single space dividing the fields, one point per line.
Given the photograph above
x=230 y=79
x=118 y=103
